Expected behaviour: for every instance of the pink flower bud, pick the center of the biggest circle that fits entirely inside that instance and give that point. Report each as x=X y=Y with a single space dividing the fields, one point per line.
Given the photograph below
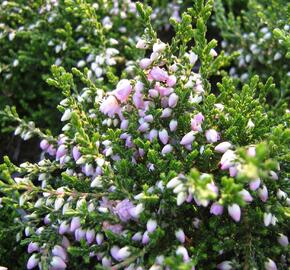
x=141 y=44
x=283 y=240
x=58 y=263
x=123 y=253
x=173 y=125
x=159 y=46
x=145 y=63
x=166 y=113
x=153 y=93
x=144 y=127
x=60 y=252
x=75 y=224
x=166 y=149
x=123 y=90
x=63 y=228
x=163 y=136
x=148 y=118
x=263 y=193
x=270 y=265
x=76 y=153
x=106 y=262
x=90 y=236
x=179 y=234
x=246 y=195
x=216 y=209
x=188 y=138
x=223 y=147
x=254 y=184
x=152 y=134
x=158 y=74
x=274 y=175
x=227 y=159
x=137 y=236
x=99 y=238
x=44 y=144
x=182 y=251
x=114 y=252
x=32 y=262
x=138 y=100
x=124 y=124
x=145 y=238
x=199 y=118
x=172 y=101
x=235 y=212
x=80 y=234
x=151 y=225
x=110 y=106
x=32 y=246
x=171 y=81
x=233 y=171
x=212 y=136
x=61 y=151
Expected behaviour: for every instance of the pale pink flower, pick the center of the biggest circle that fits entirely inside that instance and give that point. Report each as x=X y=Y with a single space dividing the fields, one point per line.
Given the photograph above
x=123 y=90
x=163 y=136
x=173 y=99
x=212 y=136
x=110 y=106
x=159 y=74
x=223 y=147
x=187 y=138
x=171 y=81
x=145 y=63
x=235 y=212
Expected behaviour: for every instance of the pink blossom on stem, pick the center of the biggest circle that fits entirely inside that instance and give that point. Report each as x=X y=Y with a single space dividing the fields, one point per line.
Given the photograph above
x=44 y=144
x=188 y=138
x=171 y=81
x=235 y=212
x=166 y=149
x=263 y=193
x=159 y=74
x=255 y=184
x=123 y=90
x=212 y=136
x=172 y=101
x=145 y=63
x=110 y=106
x=216 y=209
x=223 y=147
x=163 y=136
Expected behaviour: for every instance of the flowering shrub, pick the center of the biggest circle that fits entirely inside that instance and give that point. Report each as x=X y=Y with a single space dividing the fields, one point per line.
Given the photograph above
x=157 y=166
x=36 y=34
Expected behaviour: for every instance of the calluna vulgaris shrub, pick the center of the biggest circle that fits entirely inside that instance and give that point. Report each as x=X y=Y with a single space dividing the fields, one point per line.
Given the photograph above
x=37 y=34
x=157 y=166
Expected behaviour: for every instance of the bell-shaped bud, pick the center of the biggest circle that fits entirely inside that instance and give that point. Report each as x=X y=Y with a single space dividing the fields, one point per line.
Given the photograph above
x=179 y=234
x=188 y=138
x=32 y=262
x=60 y=252
x=151 y=225
x=58 y=263
x=235 y=212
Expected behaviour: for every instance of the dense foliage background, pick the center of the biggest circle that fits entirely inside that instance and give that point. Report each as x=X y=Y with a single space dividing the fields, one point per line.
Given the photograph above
x=172 y=131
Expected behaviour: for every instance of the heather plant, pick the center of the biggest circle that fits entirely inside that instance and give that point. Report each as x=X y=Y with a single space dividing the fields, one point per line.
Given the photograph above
x=38 y=34
x=157 y=166
x=259 y=31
